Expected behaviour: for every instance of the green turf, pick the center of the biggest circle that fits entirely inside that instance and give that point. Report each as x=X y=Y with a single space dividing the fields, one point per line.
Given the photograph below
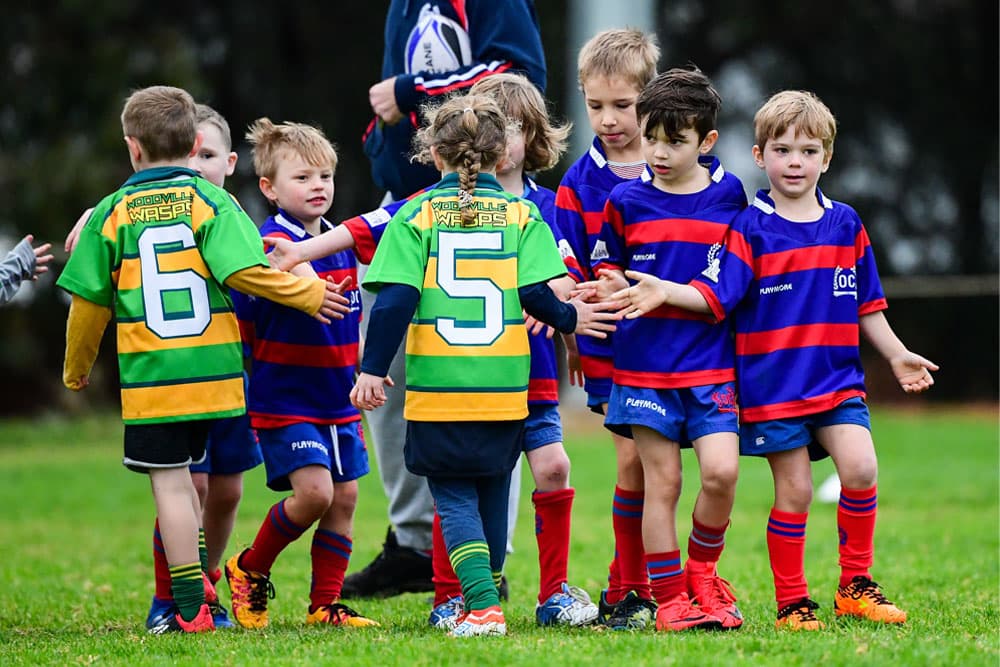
x=76 y=572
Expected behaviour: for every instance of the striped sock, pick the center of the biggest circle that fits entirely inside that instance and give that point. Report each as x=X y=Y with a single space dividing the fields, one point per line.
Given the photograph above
x=856 y=527
x=786 y=547
x=666 y=575
x=331 y=552
x=161 y=571
x=276 y=533
x=706 y=543
x=471 y=561
x=202 y=550
x=626 y=519
x=188 y=589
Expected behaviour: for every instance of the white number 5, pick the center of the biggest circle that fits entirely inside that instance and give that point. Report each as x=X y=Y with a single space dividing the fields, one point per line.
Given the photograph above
x=491 y=326
x=156 y=283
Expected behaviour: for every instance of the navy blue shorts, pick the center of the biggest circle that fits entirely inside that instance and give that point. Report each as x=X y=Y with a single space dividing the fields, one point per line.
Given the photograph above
x=780 y=435
x=598 y=393
x=338 y=447
x=681 y=415
x=543 y=426
x=231 y=448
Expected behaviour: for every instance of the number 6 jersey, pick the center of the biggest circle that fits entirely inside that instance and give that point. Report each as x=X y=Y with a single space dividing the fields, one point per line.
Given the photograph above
x=467 y=355
x=157 y=252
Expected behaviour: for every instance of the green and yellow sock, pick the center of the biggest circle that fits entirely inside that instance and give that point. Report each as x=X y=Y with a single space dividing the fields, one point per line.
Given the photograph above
x=188 y=589
x=202 y=550
x=471 y=562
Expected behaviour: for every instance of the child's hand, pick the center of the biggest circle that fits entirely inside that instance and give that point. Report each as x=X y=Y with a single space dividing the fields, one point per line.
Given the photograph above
x=913 y=372
x=74 y=234
x=647 y=294
x=536 y=326
x=335 y=304
x=368 y=392
x=78 y=384
x=608 y=283
x=42 y=257
x=573 y=365
x=595 y=319
x=284 y=253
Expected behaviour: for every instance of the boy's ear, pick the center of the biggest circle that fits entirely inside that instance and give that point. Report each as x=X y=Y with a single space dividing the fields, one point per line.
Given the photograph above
x=198 y=138
x=267 y=189
x=827 y=156
x=758 y=156
x=231 y=163
x=708 y=142
x=134 y=149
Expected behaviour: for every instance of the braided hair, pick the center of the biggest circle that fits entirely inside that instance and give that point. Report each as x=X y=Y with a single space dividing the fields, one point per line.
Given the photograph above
x=468 y=132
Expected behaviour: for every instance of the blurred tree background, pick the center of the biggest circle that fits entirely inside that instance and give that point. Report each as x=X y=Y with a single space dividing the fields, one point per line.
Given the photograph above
x=913 y=84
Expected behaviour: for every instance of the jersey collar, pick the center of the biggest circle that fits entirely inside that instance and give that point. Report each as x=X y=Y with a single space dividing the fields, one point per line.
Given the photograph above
x=160 y=174
x=763 y=202
x=485 y=181
x=290 y=224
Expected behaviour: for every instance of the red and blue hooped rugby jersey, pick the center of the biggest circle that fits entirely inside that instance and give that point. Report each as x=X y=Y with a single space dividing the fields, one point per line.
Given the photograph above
x=670 y=236
x=301 y=369
x=580 y=200
x=795 y=292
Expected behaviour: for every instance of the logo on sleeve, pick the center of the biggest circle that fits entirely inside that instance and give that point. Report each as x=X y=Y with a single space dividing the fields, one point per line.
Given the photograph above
x=712 y=270
x=565 y=250
x=600 y=251
x=845 y=282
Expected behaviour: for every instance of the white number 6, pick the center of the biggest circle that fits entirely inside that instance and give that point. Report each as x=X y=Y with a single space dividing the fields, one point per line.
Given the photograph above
x=155 y=283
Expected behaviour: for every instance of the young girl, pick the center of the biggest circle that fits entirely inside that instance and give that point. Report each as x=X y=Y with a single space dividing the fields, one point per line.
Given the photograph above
x=458 y=263
x=533 y=144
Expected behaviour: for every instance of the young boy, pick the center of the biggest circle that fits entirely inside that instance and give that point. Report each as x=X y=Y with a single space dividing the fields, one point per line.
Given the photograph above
x=613 y=68
x=680 y=393
x=301 y=377
x=21 y=263
x=232 y=446
x=798 y=277
x=158 y=251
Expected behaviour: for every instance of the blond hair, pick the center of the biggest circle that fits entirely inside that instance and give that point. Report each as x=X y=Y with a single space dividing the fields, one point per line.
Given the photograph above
x=206 y=114
x=271 y=142
x=544 y=141
x=799 y=108
x=162 y=120
x=468 y=132
x=625 y=53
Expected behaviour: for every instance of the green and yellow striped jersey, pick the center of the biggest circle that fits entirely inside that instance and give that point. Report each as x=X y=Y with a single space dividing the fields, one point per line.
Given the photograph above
x=157 y=251
x=467 y=355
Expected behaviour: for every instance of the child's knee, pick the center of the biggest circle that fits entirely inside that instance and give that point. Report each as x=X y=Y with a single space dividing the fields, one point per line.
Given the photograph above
x=859 y=473
x=345 y=498
x=793 y=494
x=551 y=470
x=719 y=479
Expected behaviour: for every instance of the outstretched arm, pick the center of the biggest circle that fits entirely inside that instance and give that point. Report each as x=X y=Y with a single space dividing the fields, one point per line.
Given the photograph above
x=286 y=253
x=320 y=298
x=84 y=328
x=649 y=293
x=912 y=371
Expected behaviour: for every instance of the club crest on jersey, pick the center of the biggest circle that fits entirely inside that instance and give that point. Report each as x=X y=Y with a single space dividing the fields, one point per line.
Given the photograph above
x=600 y=251
x=712 y=270
x=845 y=282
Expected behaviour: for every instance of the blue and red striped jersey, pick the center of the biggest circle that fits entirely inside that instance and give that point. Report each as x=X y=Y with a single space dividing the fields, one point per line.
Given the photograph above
x=580 y=200
x=543 y=383
x=669 y=236
x=301 y=369
x=794 y=292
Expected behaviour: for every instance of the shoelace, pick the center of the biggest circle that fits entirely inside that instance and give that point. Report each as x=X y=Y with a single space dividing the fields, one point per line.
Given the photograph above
x=261 y=590
x=804 y=608
x=340 y=610
x=859 y=588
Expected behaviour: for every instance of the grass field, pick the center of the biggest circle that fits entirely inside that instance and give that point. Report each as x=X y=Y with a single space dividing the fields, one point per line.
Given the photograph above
x=76 y=571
